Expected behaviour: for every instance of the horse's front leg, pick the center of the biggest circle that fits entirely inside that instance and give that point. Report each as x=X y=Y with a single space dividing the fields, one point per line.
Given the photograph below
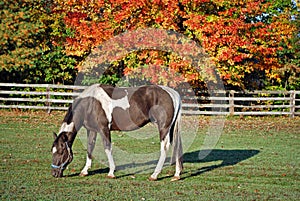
x=90 y=148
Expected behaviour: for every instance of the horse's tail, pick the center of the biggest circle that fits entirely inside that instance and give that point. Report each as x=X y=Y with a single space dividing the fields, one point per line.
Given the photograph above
x=177 y=143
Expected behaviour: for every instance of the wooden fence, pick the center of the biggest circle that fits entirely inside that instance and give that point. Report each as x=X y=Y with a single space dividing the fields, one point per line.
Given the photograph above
x=58 y=97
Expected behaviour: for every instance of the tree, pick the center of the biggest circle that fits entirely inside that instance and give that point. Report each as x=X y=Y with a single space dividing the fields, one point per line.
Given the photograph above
x=27 y=52
x=247 y=40
x=289 y=74
x=243 y=37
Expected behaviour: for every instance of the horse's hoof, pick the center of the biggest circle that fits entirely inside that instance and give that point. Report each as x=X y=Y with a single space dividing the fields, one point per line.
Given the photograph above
x=152 y=179
x=83 y=174
x=110 y=176
x=175 y=178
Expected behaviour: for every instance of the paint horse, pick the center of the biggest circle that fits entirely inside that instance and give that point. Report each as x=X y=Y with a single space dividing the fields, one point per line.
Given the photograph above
x=102 y=109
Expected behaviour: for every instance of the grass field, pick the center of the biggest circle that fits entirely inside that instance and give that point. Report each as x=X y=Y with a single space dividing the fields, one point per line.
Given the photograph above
x=256 y=158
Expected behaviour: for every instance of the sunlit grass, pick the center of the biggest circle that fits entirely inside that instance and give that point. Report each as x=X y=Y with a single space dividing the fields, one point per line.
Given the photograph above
x=256 y=158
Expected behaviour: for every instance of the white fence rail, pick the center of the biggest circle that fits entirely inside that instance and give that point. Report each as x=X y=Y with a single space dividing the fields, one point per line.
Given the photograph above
x=59 y=97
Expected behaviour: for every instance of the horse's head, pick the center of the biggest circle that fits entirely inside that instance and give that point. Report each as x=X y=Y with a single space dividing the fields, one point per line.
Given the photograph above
x=62 y=154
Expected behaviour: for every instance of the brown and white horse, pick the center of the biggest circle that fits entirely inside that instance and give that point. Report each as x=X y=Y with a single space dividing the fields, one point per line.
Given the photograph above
x=103 y=108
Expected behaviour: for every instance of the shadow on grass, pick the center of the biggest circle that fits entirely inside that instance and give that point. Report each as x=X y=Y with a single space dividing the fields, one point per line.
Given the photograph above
x=228 y=158
x=91 y=172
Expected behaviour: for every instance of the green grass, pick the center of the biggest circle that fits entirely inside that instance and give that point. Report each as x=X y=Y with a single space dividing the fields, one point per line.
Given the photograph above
x=256 y=158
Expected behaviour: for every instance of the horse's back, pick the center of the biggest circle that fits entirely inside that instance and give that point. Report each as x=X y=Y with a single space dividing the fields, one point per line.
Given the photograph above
x=129 y=108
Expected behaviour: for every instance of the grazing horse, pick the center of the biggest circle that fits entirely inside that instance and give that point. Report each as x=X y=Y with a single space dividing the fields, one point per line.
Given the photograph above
x=103 y=108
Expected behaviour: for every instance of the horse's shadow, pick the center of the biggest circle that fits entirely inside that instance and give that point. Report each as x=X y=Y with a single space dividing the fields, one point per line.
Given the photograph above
x=227 y=158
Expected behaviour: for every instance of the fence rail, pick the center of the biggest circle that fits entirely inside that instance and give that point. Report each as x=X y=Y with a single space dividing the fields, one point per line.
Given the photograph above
x=59 y=97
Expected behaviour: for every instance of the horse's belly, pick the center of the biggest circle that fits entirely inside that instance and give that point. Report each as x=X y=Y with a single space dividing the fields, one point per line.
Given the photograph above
x=122 y=120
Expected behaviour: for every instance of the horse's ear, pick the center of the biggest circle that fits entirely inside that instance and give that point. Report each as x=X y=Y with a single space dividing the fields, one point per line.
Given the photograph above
x=54 y=135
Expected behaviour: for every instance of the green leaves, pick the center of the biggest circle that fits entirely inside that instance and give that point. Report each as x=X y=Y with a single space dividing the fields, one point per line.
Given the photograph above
x=19 y=35
x=29 y=37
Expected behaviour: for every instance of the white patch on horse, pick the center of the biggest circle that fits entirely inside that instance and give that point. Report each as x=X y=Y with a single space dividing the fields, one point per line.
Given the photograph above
x=164 y=147
x=122 y=102
x=66 y=127
x=176 y=100
x=54 y=150
x=107 y=103
x=111 y=163
x=87 y=166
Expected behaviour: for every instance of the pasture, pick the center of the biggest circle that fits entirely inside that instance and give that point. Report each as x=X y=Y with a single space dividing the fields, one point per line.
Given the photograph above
x=256 y=158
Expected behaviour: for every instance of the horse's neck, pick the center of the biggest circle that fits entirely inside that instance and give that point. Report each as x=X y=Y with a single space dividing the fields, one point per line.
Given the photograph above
x=65 y=127
x=71 y=137
x=71 y=128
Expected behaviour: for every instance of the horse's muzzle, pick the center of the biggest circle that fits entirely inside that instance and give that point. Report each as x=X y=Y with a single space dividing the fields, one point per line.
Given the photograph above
x=57 y=173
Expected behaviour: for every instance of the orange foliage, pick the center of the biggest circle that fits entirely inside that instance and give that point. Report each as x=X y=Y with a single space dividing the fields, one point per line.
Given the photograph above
x=229 y=30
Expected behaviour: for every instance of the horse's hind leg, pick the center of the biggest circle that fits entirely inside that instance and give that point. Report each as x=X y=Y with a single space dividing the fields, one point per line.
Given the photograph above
x=164 y=147
x=90 y=148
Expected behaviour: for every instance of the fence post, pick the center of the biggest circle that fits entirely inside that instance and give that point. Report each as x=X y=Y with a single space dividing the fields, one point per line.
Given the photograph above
x=231 y=102
x=48 y=99
x=292 y=103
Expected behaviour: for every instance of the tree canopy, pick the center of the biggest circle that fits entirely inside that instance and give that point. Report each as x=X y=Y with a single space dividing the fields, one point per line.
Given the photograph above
x=28 y=50
x=253 y=44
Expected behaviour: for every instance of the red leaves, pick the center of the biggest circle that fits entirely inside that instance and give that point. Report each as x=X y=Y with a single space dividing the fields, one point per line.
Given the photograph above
x=72 y=16
x=238 y=59
x=228 y=30
x=232 y=40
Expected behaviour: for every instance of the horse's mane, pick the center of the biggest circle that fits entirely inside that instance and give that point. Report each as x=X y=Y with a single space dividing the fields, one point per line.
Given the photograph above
x=69 y=116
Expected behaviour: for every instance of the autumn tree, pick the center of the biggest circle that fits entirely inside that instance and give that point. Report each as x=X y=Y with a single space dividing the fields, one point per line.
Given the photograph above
x=289 y=56
x=252 y=43
x=29 y=47
x=242 y=37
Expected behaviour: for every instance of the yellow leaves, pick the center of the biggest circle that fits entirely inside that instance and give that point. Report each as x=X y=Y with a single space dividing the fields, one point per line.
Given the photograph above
x=212 y=18
x=230 y=62
x=273 y=74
